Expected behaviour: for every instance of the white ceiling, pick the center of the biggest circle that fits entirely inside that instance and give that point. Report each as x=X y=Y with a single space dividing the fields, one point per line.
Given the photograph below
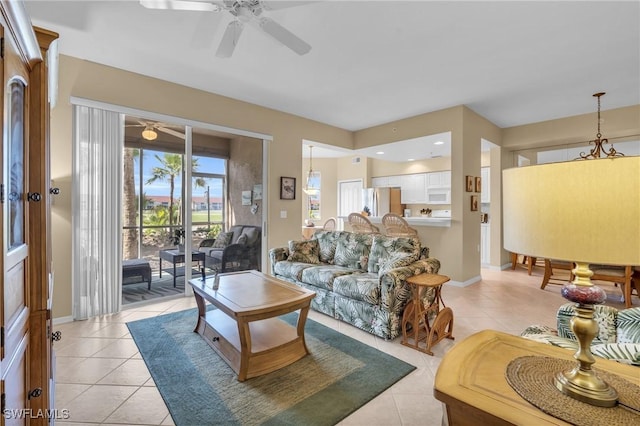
x=372 y=62
x=425 y=147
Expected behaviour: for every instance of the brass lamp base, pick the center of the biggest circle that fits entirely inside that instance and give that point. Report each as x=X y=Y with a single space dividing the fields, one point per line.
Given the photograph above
x=581 y=382
x=585 y=386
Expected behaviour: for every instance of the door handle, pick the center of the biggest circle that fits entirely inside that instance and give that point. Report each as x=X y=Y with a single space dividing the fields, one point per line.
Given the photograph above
x=35 y=393
x=34 y=196
x=54 y=191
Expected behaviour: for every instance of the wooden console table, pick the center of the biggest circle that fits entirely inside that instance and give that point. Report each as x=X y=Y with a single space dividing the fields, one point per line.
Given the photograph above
x=471 y=380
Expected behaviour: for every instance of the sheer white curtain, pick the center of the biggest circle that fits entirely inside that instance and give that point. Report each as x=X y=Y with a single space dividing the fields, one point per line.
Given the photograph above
x=97 y=181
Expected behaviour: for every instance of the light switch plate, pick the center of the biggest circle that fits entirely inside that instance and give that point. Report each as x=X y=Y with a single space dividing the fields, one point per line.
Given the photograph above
x=283 y=214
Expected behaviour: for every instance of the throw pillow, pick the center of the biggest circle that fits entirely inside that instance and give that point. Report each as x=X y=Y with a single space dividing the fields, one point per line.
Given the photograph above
x=304 y=251
x=251 y=234
x=353 y=251
x=223 y=240
x=384 y=249
x=242 y=239
x=328 y=240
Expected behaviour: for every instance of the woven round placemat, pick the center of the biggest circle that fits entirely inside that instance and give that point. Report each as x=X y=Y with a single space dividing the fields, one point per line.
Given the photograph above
x=532 y=378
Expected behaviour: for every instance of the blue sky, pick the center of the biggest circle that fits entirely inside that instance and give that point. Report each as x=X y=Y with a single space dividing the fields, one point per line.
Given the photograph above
x=205 y=164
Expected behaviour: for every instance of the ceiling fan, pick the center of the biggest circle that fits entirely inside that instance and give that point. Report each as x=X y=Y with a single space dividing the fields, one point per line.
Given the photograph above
x=243 y=12
x=149 y=132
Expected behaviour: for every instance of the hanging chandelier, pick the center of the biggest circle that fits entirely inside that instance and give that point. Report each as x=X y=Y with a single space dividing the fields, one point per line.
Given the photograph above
x=597 y=151
x=308 y=188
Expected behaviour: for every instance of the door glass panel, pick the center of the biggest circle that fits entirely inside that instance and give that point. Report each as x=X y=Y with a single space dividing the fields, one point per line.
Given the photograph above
x=207 y=198
x=15 y=188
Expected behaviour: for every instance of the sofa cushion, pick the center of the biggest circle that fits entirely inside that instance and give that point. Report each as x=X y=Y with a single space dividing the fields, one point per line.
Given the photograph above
x=223 y=239
x=352 y=251
x=628 y=326
x=387 y=250
x=242 y=239
x=323 y=276
x=328 y=240
x=251 y=234
x=628 y=353
x=291 y=270
x=304 y=251
x=605 y=316
x=363 y=286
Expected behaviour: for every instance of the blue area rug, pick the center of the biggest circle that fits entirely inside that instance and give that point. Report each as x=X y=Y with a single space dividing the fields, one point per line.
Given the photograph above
x=339 y=376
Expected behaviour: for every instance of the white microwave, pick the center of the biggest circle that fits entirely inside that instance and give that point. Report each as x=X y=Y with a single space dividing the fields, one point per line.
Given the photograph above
x=439 y=195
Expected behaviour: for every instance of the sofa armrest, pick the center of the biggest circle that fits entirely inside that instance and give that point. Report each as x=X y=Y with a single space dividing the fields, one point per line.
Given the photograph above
x=395 y=292
x=276 y=255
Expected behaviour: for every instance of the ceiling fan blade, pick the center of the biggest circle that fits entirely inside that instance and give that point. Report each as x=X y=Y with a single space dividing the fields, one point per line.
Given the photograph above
x=171 y=132
x=180 y=5
x=284 y=36
x=230 y=39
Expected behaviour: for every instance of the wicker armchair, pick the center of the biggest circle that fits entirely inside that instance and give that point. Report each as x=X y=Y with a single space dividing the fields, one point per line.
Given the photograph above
x=396 y=226
x=360 y=224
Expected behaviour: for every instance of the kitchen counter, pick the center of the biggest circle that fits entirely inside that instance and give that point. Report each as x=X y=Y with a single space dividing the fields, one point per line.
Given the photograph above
x=419 y=221
x=413 y=221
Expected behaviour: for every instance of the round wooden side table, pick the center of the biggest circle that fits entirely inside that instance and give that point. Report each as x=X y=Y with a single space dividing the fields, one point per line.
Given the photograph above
x=416 y=316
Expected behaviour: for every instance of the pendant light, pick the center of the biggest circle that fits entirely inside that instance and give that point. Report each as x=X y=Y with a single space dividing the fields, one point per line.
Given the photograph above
x=308 y=189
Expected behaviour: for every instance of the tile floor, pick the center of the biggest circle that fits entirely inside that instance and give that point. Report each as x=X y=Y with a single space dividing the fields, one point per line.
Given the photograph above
x=101 y=378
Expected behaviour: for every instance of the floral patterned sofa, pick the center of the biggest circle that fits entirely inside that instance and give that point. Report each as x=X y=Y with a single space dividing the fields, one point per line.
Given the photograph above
x=618 y=333
x=358 y=278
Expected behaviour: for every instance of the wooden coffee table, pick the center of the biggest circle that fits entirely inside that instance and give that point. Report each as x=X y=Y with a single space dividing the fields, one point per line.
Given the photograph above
x=244 y=329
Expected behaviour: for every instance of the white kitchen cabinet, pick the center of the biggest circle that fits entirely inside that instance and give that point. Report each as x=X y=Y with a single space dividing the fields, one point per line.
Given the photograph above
x=485 y=195
x=442 y=179
x=485 y=244
x=386 y=182
x=413 y=189
x=380 y=182
x=395 y=181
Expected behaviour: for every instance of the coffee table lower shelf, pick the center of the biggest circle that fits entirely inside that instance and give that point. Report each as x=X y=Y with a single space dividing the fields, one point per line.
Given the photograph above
x=273 y=343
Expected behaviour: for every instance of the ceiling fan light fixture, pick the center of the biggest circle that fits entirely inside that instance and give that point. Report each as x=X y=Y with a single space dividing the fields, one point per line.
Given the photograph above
x=149 y=134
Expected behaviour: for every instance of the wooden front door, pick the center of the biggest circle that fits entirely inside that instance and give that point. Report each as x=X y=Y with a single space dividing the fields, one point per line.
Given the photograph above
x=25 y=345
x=15 y=249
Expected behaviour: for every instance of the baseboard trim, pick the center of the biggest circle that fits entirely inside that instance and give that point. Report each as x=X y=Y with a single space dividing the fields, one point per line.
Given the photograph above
x=465 y=283
x=62 y=320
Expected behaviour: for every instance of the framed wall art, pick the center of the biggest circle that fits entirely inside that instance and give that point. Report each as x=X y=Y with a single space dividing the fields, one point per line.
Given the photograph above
x=478 y=184
x=474 y=203
x=469 y=183
x=246 y=198
x=257 y=192
x=287 y=188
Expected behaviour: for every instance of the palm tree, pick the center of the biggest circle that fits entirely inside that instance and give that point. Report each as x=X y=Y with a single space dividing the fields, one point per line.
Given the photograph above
x=169 y=169
x=129 y=204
